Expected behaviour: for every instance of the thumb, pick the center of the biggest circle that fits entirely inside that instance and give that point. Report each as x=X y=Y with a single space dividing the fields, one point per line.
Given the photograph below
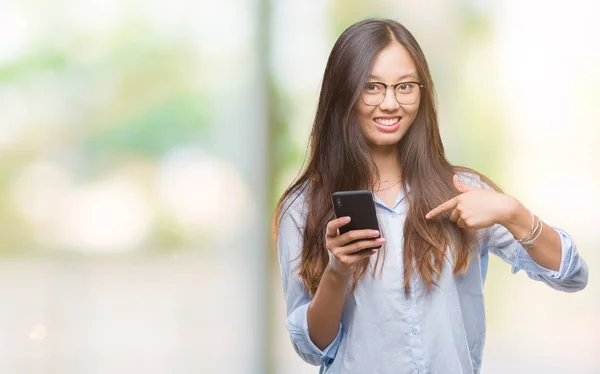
x=460 y=186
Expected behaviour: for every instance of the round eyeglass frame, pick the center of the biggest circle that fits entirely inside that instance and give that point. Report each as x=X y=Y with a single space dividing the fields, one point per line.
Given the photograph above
x=420 y=85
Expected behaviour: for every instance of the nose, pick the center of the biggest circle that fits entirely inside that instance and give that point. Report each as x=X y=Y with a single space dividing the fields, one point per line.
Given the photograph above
x=389 y=102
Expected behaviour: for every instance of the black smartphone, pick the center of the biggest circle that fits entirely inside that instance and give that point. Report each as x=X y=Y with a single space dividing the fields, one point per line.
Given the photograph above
x=360 y=207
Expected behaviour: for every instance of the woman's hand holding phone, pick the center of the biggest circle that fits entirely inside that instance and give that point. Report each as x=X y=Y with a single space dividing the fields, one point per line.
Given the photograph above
x=348 y=249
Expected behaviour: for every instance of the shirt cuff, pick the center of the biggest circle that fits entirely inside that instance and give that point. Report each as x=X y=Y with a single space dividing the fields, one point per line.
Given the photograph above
x=297 y=325
x=525 y=262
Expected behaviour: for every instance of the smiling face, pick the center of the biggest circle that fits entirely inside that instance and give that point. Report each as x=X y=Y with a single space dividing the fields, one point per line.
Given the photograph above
x=385 y=124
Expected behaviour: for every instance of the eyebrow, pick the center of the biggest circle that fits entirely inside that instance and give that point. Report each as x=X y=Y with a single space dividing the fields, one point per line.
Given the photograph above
x=409 y=75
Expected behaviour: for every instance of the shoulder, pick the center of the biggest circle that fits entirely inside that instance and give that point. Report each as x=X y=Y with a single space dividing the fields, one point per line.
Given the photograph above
x=473 y=178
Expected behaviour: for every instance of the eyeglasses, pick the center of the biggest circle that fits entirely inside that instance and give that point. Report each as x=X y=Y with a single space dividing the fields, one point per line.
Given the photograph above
x=406 y=92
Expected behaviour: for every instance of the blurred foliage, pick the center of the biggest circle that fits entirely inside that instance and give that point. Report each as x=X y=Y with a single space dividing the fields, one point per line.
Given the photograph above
x=284 y=153
x=153 y=131
x=42 y=60
x=128 y=96
x=483 y=130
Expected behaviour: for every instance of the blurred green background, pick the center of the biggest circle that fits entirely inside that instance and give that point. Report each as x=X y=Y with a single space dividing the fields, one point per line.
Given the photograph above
x=144 y=145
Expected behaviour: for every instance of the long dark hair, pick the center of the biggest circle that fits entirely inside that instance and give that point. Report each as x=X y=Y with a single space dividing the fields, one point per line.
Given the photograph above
x=340 y=159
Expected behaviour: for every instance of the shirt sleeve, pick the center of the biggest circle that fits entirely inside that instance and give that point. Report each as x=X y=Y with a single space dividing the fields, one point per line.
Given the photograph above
x=573 y=272
x=289 y=247
x=571 y=276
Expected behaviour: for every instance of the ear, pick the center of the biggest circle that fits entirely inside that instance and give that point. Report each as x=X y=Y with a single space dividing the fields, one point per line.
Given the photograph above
x=460 y=186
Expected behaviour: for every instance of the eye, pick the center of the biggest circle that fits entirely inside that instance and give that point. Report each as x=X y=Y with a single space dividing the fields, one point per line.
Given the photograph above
x=405 y=87
x=372 y=88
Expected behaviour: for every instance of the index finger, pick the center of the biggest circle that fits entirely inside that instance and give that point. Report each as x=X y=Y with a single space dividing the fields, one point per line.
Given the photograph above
x=335 y=224
x=442 y=208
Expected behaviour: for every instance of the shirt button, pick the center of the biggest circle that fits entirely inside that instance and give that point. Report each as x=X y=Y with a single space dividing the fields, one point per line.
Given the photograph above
x=414 y=331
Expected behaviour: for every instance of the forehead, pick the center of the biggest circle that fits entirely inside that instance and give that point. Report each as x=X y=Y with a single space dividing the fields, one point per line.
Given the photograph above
x=393 y=62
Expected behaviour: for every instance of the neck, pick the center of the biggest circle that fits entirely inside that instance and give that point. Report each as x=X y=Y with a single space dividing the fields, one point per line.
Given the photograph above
x=387 y=163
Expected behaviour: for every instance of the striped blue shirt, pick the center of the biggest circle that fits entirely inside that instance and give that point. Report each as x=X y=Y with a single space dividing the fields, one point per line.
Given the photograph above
x=382 y=330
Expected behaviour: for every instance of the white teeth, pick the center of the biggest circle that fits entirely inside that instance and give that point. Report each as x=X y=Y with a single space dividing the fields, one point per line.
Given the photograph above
x=387 y=122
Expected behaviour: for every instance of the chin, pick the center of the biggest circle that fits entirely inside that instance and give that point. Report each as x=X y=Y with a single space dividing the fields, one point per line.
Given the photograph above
x=384 y=143
x=386 y=140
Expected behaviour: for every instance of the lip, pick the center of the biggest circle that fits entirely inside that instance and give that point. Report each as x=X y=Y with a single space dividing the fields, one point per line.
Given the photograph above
x=390 y=128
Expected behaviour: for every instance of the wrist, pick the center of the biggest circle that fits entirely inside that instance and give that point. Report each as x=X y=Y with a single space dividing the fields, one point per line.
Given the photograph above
x=517 y=219
x=338 y=275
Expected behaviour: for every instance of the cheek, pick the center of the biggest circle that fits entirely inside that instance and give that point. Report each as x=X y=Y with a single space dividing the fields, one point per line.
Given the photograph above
x=412 y=112
x=363 y=110
x=364 y=114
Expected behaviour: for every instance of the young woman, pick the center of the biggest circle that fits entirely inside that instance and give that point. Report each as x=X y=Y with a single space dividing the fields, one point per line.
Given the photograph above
x=416 y=304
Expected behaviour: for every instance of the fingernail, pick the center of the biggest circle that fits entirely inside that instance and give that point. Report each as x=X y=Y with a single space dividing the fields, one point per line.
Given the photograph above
x=374 y=233
x=346 y=219
x=381 y=240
